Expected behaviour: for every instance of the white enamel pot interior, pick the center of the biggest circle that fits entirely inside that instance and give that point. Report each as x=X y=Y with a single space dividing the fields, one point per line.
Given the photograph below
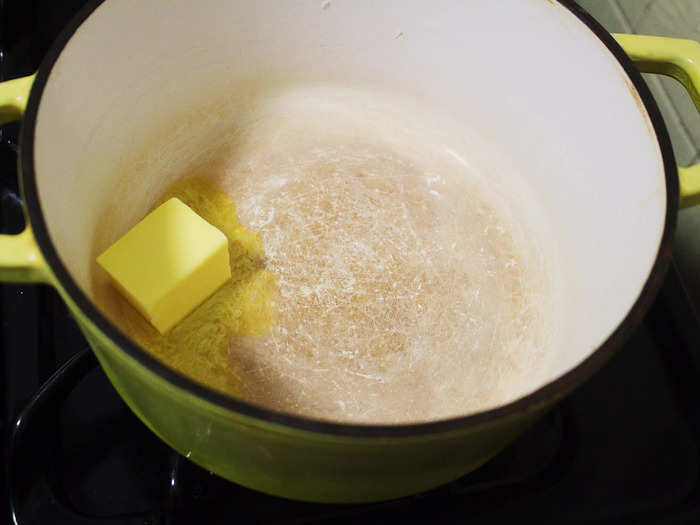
x=536 y=79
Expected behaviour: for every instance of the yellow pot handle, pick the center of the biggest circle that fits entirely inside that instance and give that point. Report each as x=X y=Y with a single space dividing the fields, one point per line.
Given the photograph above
x=680 y=59
x=20 y=258
x=13 y=98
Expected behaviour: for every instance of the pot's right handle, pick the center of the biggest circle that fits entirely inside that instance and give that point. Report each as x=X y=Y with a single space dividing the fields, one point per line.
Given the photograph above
x=20 y=258
x=680 y=59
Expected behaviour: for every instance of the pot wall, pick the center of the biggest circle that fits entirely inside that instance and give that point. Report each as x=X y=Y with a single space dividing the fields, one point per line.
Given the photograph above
x=546 y=94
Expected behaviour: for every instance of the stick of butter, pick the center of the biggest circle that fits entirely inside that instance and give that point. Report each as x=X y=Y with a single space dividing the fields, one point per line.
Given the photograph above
x=168 y=264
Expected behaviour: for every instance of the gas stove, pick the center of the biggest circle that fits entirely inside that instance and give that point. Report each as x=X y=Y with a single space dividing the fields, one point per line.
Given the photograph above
x=624 y=448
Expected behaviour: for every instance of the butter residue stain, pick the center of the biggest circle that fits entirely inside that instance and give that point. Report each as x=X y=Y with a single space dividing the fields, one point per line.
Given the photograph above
x=243 y=307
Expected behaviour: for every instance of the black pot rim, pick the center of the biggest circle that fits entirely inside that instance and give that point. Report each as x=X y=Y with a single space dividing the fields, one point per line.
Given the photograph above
x=540 y=398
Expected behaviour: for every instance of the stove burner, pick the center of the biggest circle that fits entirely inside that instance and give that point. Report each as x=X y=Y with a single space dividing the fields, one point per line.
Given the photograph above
x=76 y=439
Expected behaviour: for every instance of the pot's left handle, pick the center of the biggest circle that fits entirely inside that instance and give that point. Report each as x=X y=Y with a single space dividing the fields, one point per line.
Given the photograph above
x=20 y=258
x=680 y=59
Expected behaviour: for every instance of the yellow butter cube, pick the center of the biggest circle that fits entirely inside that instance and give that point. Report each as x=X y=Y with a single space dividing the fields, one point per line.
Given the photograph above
x=168 y=264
